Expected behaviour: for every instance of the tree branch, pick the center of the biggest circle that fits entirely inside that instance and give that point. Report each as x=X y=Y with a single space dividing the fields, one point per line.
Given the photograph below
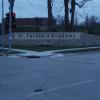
x=82 y=3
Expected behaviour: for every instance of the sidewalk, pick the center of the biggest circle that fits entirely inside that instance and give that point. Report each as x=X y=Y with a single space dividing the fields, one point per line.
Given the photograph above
x=35 y=54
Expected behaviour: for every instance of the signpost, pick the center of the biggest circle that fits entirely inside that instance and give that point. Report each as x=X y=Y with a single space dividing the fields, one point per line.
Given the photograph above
x=11 y=5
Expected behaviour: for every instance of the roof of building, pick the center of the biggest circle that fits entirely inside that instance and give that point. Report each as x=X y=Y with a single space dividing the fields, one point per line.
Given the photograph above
x=32 y=21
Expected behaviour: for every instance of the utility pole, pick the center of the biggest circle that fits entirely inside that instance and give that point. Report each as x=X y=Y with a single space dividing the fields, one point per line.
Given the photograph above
x=3 y=25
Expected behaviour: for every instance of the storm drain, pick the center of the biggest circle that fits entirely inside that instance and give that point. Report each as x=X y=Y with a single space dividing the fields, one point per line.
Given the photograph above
x=38 y=90
x=33 y=56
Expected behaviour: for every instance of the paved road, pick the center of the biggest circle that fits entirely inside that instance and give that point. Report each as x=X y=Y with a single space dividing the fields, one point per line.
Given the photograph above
x=70 y=77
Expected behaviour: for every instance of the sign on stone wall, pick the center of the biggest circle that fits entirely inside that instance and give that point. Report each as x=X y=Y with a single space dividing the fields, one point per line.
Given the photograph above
x=46 y=36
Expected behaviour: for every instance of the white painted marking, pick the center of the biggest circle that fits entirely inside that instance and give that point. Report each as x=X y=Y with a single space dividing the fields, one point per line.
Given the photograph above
x=62 y=87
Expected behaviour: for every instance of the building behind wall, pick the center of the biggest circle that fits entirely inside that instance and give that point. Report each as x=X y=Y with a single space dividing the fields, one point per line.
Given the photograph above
x=31 y=24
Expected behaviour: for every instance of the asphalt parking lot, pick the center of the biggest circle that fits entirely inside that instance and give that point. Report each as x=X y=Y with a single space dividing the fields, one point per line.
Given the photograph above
x=70 y=77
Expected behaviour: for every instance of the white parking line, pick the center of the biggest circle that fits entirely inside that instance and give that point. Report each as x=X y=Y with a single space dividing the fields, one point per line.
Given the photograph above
x=62 y=87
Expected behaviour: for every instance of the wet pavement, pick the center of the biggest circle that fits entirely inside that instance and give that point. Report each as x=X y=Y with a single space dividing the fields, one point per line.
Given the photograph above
x=68 y=77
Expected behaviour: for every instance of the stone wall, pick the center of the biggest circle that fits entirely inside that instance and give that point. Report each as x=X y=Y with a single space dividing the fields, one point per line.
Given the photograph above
x=55 y=38
x=46 y=38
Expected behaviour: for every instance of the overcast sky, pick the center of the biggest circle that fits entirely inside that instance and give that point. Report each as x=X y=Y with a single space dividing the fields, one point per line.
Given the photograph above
x=38 y=8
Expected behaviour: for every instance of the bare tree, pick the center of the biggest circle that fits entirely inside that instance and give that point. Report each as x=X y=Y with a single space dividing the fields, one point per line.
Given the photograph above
x=66 y=3
x=72 y=15
x=11 y=2
x=73 y=7
x=50 y=17
x=91 y=21
x=81 y=3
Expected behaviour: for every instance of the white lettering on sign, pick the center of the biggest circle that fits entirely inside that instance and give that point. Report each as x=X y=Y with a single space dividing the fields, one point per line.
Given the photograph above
x=48 y=35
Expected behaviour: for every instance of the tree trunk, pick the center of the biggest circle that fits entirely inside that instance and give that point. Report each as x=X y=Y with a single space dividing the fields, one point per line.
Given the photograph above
x=49 y=15
x=11 y=2
x=72 y=15
x=66 y=2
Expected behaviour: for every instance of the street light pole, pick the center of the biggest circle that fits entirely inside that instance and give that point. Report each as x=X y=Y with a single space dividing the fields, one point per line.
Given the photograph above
x=2 y=24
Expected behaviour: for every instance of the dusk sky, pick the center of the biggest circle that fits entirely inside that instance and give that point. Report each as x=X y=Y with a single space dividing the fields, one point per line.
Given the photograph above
x=38 y=8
